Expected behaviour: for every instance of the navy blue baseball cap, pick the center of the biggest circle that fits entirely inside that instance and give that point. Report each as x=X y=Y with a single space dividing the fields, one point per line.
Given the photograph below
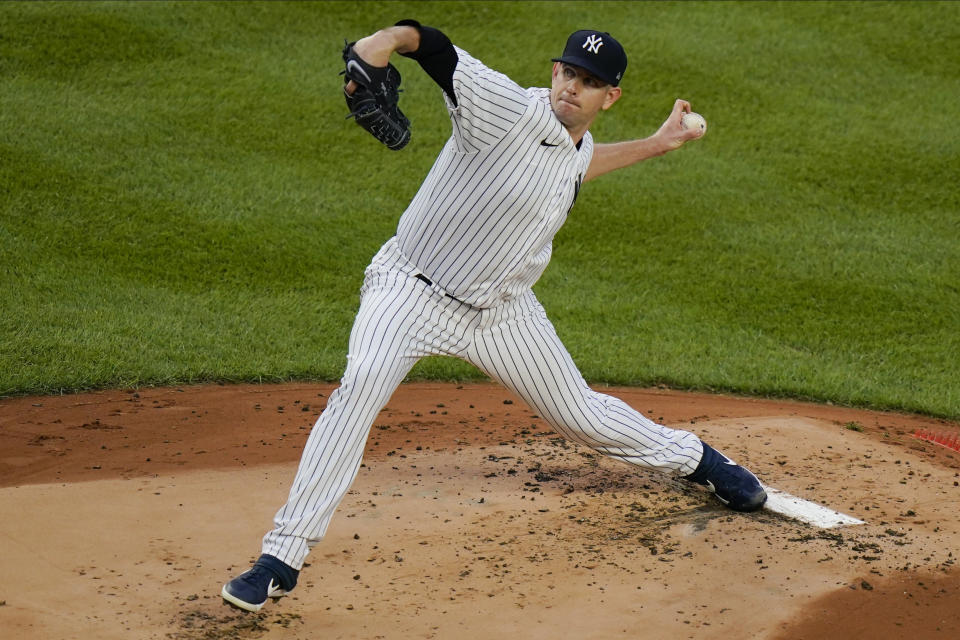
x=598 y=52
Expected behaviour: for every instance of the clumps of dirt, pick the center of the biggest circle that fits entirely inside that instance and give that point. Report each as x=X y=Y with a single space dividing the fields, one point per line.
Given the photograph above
x=599 y=504
x=204 y=624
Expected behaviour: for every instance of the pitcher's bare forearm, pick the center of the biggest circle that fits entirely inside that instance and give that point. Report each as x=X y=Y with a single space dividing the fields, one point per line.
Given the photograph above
x=671 y=135
x=617 y=155
x=377 y=48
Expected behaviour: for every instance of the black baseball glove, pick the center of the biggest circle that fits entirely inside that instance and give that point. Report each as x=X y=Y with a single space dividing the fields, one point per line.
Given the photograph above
x=374 y=103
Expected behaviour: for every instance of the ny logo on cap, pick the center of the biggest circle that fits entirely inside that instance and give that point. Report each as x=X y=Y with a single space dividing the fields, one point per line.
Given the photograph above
x=593 y=43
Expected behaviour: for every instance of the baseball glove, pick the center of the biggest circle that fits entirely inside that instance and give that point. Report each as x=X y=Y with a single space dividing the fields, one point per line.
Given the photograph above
x=374 y=103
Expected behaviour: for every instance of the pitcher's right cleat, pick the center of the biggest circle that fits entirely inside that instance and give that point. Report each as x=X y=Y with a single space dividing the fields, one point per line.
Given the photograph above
x=733 y=485
x=268 y=578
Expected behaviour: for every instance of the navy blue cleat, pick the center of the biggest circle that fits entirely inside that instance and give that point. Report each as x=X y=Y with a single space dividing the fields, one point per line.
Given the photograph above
x=268 y=578
x=733 y=485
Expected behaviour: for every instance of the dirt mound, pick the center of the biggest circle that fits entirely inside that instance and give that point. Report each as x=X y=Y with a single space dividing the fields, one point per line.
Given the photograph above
x=470 y=518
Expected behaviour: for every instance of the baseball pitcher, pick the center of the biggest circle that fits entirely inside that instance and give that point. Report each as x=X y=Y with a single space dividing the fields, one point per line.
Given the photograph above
x=456 y=277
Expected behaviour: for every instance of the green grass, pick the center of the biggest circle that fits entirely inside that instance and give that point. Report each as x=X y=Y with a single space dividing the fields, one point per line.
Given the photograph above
x=181 y=199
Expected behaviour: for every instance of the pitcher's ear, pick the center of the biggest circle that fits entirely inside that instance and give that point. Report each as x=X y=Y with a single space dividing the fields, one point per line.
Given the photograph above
x=613 y=94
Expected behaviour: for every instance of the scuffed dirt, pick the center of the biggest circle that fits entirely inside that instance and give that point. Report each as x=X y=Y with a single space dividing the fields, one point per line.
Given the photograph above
x=469 y=519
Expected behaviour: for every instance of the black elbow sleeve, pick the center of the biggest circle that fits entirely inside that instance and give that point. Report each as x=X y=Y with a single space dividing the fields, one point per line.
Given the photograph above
x=436 y=55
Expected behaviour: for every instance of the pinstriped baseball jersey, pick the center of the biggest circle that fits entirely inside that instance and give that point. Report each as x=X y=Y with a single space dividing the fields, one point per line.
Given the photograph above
x=456 y=281
x=482 y=224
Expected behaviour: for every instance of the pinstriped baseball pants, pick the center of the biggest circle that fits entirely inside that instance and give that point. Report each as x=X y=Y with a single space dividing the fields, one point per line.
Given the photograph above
x=403 y=319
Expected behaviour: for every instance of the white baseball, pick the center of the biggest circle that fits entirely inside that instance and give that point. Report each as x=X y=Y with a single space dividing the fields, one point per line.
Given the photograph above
x=694 y=121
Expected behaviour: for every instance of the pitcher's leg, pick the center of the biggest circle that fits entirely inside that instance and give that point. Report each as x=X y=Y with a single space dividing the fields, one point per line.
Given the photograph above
x=380 y=355
x=524 y=353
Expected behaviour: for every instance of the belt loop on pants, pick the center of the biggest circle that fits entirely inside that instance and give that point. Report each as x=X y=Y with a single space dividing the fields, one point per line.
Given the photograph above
x=429 y=283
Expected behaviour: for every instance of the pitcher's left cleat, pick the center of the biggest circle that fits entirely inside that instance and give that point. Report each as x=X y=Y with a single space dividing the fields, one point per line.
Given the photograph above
x=733 y=485
x=268 y=578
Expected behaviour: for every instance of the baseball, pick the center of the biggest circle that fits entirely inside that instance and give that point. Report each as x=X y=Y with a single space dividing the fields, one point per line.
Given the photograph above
x=694 y=121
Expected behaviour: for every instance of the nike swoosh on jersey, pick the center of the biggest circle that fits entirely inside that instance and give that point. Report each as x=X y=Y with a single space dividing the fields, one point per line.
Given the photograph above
x=544 y=143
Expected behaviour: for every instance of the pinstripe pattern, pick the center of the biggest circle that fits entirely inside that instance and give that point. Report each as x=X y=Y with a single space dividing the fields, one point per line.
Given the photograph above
x=482 y=223
x=402 y=319
x=480 y=230
x=518 y=347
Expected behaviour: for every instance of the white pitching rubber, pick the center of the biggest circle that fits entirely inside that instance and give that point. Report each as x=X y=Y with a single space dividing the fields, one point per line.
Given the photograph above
x=806 y=511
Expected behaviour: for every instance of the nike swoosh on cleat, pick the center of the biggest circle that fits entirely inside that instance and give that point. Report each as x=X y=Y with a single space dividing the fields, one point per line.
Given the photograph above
x=354 y=67
x=544 y=143
x=272 y=588
x=714 y=490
